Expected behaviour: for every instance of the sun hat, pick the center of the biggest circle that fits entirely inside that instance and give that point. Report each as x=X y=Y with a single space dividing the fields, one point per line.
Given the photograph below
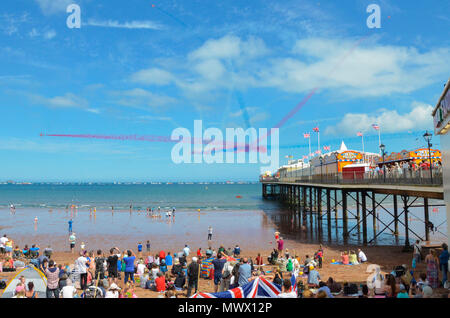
x=114 y=287
x=194 y=259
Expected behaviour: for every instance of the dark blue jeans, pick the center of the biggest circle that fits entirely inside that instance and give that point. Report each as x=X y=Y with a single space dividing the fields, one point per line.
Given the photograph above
x=131 y=275
x=444 y=269
x=52 y=293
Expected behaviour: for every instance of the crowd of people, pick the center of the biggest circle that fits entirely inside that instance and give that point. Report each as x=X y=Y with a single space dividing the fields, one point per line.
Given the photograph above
x=406 y=169
x=98 y=274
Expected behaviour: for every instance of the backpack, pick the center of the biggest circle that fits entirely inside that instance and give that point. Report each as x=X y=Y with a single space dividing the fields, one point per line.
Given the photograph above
x=226 y=273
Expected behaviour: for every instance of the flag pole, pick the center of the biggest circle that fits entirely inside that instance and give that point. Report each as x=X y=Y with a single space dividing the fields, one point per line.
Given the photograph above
x=318 y=142
x=309 y=155
x=379 y=139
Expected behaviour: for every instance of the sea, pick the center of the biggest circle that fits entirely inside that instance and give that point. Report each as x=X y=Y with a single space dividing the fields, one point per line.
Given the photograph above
x=237 y=213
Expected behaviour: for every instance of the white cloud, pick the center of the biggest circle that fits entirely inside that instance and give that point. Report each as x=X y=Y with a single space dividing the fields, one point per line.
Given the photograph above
x=143 y=99
x=50 y=34
x=390 y=121
x=53 y=6
x=126 y=25
x=152 y=76
x=355 y=71
x=350 y=68
x=69 y=100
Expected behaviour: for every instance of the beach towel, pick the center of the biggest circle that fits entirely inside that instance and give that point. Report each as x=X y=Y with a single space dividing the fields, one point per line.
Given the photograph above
x=206 y=268
x=340 y=263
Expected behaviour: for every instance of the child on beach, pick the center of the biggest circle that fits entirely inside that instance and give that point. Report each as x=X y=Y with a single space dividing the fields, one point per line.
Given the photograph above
x=139 y=248
x=83 y=247
x=353 y=259
x=344 y=258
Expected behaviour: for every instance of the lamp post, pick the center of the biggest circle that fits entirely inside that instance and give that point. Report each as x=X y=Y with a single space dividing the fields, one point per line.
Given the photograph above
x=321 y=163
x=382 y=148
x=427 y=136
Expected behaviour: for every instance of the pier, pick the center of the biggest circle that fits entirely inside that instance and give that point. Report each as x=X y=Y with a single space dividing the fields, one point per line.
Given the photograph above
x=316 y=198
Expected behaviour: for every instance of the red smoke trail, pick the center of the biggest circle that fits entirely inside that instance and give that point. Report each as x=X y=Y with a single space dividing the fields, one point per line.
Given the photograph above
x=153 y=138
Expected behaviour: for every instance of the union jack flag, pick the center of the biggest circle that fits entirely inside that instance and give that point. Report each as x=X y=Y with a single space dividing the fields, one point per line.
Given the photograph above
x=326 y=148
x=306 y=135
x=258 y=288
x=294 y=283
x=376 y=127
x=316 y=129
x=360 y=134
x=317 y=152
x=305 y=157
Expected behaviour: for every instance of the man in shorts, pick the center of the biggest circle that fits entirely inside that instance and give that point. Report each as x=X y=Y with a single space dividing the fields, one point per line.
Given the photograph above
x=111 y=263
x=218 y=264
x=72 y=240
x=210 y=231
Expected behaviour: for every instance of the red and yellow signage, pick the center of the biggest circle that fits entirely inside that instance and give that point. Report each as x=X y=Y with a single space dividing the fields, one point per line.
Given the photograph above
x=423 y=154
x=348 y=157
x=416 y=155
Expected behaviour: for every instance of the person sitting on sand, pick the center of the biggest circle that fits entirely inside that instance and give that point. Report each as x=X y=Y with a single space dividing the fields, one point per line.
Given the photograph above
x=163 y=266
x=324 y=287
x=344 y=258
x=335 y=287
x=287 y=290
x=391 y=288
x=259 y=260
x=278 y=277
x=290 y=265
x=160 y=282
x=180 y=281
x=313 y=277
x=352 y=258
x=31 y=293
x=272 y=259
x=176 y=268
x=362 y=258
x=113 y=291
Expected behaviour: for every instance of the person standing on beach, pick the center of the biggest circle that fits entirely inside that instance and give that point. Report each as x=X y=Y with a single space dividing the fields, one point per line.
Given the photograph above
x=81 y=265
x=72 y=240
x=111 y=264
x=148 y=246
x=3 y=241
x=52 y=274
x=129 y=266
x=417 y=252
x=218 y=265
x=70 y=225
x=193 y=273
x=139 y=250
x=210 y=231
x=280 y=243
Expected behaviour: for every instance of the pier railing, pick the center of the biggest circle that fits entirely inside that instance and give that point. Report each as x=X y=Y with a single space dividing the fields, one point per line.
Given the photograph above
x=403 y=177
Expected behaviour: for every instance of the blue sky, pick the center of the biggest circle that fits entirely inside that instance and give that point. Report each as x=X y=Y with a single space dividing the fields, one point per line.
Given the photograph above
x=137 y=69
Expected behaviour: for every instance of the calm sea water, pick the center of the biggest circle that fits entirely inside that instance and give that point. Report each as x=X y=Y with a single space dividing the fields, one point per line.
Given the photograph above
x=237 y=213
x=140 y=196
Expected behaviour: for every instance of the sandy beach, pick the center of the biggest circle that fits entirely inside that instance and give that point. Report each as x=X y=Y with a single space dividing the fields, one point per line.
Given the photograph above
x=385 y=256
